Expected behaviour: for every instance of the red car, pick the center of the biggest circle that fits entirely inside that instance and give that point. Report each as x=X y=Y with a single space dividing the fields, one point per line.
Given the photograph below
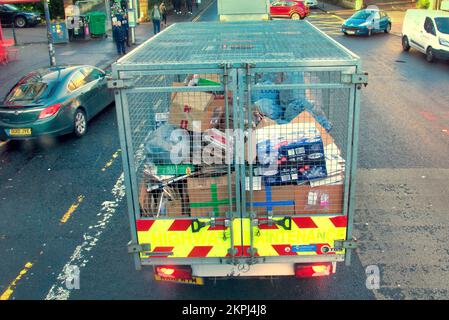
x=294 y=9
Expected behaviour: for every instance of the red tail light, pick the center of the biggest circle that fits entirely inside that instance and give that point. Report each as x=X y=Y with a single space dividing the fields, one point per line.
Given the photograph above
x=174 y=272
x=49 y=111
x=313 y=270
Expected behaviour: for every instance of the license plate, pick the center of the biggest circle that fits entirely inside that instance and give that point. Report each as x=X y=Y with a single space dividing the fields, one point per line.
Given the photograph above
x=195 y=280
x=20 y=132
x=350 y=32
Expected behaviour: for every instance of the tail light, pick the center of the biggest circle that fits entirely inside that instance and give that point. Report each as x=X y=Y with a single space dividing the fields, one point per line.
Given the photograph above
x=174 y=272
x=313 y=270
x=49 y=111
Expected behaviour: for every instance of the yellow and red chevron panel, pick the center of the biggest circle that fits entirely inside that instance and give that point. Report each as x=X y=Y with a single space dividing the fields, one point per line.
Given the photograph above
x=174 y=238
x=308 y=236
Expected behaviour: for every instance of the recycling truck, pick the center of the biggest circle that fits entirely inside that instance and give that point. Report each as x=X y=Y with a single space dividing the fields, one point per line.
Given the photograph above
x=239 y=145
x=237 y=10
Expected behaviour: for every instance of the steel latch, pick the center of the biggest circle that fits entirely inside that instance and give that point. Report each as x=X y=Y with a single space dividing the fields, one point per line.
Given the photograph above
x=197 y=225
x=345 y=244
x=120 y=84
x=285 y=223
x=135 y=247
x=355 y=78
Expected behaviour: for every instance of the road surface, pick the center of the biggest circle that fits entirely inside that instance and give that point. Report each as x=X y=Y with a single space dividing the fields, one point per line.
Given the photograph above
x=62 y=201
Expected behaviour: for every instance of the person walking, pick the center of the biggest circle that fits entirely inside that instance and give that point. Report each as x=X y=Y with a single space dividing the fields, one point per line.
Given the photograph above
x=125 y=26
x=177 y=6
x=156 y=17
x=189 y=6
x=118 y=35
x=163 y=10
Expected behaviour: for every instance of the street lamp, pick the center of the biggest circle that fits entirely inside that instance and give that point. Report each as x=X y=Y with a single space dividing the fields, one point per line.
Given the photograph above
x=51 y=48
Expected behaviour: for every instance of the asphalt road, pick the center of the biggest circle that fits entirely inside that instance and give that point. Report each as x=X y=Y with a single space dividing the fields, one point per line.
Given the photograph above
x=402 y=142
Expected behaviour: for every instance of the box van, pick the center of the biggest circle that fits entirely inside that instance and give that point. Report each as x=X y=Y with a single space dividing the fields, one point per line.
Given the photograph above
x=428 y=32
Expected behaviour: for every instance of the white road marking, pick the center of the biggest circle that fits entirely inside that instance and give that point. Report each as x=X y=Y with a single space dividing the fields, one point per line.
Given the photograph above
x=80 y=257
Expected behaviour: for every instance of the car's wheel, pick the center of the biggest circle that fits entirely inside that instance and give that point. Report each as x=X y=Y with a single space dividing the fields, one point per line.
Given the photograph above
x=295 y=16
x=429 y=55
x=80 y=123
x=388 y=28
x=405 y=44
x=20 y=22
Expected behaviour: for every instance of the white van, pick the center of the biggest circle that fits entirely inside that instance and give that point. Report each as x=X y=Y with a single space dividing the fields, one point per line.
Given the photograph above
x=428 y=32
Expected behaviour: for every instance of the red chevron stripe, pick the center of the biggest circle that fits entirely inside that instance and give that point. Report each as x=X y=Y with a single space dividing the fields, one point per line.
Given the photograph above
x=144 y=225
x=161 y=249
x=304 y=223
x=339 y=221
x=180 y=225
x=266 y=226
x=199 y=251
x=218 y=226
x=284 y=249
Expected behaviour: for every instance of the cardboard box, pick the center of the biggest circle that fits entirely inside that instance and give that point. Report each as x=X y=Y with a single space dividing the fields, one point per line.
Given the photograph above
x=277 y=199
x=322 y=199
x=209 y=196
x=188 y=107
x=174 y=208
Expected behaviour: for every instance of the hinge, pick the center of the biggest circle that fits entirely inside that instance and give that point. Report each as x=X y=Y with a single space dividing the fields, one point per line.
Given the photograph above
x=135 y=247
x=355 y=78
x=120 y=84
x=345 y=244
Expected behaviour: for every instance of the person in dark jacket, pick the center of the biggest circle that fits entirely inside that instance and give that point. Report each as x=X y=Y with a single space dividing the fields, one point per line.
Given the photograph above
x=125 y=27
x=118 y=34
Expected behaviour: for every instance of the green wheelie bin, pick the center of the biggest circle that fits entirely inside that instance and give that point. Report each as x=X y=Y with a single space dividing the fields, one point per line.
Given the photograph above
x=97 y=24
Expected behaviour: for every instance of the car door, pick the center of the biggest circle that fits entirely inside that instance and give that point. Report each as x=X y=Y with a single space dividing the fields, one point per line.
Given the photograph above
x=98 y=95
x=427 y=34
x=79 y=92
x=384 y=21
x=278 y=8
x=5 y=15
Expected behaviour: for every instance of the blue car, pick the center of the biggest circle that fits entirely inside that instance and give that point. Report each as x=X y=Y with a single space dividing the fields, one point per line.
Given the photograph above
x=366 y=22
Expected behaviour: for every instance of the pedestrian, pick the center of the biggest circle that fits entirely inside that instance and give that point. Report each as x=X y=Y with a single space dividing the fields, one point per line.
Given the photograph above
x=156 y=17
x=177 y=6
x=125 y=26
x=189 y=6
x=118 y=35
x=163 y=11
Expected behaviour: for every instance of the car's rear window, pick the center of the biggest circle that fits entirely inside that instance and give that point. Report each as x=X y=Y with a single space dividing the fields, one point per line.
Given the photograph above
x=442 y=24
x=27 y=91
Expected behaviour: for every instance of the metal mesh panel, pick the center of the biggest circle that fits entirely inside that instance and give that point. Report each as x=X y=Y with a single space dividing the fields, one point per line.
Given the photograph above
x=300 y=139
x=179 y=141
x=243 y=42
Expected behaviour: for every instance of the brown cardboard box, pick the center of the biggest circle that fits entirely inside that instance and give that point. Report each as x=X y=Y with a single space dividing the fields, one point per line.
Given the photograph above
x=322 y=199
x=281 y=202
x=187 y=107
x=174 y=208
x=209 y=196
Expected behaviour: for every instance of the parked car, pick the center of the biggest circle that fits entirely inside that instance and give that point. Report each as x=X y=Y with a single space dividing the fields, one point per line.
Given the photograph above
x=21 y=18
x=311 y=3
x=293 y=9
x=427 y=31
x=54 y=101
x=366 y=22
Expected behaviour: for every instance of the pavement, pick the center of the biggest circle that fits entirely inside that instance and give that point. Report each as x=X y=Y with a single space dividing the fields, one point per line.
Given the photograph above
x=401 y=220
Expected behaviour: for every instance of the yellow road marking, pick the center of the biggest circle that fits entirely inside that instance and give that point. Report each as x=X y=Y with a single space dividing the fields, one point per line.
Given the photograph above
x=201 y=14
x=341 y=19
x=109 y=163
x=72 y=209
x=10 y=290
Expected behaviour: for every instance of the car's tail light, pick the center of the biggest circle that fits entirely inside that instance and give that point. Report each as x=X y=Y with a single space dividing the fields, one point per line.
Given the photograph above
x=49 y=111
x=313 y=270
x=174 y=272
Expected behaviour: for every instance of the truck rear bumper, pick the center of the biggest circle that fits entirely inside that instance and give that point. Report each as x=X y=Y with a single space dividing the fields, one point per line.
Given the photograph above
x=245 y=270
